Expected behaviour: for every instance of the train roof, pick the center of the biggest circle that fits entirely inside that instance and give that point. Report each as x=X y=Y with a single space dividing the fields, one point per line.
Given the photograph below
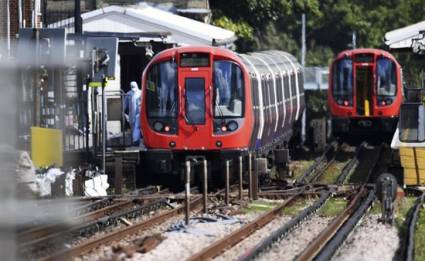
x=172 y=52
x=277 y=61
x=365 y=50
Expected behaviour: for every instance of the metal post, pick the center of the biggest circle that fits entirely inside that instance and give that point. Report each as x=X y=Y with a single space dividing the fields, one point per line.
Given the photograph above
x=118 y=175
x=187 y=192
x=205 y=186
x=87 y=117
x=227 y=181
x=78 y=25
x=303 y=54
x=240 y=177
x=250 y=176
x=8 y=27
x=103 y=126
x=255 y=181
x=37 y=98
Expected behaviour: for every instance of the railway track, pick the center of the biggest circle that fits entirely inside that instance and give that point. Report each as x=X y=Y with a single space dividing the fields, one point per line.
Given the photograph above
x=324 y=193
x=408 y=249
x=90 y=244
x=320 y=165
x=326 y=244
x=94 y=210
x=93 y=220
x=311 y=174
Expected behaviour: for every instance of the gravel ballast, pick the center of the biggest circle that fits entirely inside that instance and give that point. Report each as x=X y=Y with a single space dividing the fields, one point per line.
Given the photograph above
x=295 y=242
x=371 y=240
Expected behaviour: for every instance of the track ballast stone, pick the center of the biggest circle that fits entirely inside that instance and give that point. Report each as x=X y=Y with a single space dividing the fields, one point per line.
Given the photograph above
x=371 y=240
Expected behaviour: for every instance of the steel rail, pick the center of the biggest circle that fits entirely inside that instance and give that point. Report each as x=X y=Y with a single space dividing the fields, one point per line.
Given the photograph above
x=43 y=231
x=235 y=237
x=320 y=164
x=354 y=162
x=59 y=239
x=409 y=238
x=121 y=233
x=328 y=241
x=286 y=228
x=91 y=211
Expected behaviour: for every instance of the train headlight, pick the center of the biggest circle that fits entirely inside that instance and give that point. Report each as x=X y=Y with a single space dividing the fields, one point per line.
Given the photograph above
x=223 y=128
x=167 y=128
x=346 y=103
x=232 y=126
x=219 y=144
x=158 y=126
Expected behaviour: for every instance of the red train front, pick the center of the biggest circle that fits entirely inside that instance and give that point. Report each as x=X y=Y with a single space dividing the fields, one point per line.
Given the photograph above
x=365 y=92
x=179 y=97
x=211 y=103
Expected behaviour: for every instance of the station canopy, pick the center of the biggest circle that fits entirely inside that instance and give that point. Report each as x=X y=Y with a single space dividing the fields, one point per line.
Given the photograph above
x=144 y=18
x=404 y=37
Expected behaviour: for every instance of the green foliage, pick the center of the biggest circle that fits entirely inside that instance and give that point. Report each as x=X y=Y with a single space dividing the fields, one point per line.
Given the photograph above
x=259 y=206
x=241 y=28
x=333 y=207
x=420 y=237
x=276 y=24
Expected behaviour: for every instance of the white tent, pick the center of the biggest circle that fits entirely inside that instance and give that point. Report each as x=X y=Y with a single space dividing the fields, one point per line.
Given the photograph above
x=403 y=37
x=144 y=18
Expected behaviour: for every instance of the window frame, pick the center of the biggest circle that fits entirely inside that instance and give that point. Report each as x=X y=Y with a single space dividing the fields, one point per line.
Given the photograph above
x=243 y=98
x=146 y=100
x=393 y=63
x=186 y=102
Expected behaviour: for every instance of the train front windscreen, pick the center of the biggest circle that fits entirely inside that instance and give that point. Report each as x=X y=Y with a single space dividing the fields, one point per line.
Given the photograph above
x=357 y=82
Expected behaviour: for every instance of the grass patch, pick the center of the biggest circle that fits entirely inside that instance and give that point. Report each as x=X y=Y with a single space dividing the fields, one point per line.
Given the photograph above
x=420 y=237
x=300 y=166
x=295 y=208
x=401 y=209
x=259 y=206
x=332 y=172
x=333 y=207
x=376 y=208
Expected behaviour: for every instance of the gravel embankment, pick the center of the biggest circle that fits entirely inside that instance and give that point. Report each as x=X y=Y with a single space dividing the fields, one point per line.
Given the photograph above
x=371 y=240
x=234 y=252
x=295 y=242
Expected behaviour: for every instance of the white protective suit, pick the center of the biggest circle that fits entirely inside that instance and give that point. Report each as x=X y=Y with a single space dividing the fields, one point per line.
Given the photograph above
x=132 y=104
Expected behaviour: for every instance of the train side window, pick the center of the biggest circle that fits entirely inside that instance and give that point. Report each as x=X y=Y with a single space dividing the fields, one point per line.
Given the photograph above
x=161 y=90
x=228 y=90
x=386 y=77
x=343 y=79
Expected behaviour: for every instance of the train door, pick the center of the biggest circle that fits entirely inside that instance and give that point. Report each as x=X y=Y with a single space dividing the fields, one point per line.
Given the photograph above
x=195 y=110
x=364 y=87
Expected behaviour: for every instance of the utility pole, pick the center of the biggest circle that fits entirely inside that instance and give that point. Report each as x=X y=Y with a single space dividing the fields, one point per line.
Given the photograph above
x=353 y=40
x=303 y=53
x=78 y=26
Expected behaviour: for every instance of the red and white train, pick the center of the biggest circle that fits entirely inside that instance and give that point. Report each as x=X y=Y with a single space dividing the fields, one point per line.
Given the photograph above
x=365 y=92
x=213 y=103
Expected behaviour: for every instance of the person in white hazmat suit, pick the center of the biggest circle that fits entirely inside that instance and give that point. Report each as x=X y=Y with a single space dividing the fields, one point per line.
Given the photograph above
x=132 y=104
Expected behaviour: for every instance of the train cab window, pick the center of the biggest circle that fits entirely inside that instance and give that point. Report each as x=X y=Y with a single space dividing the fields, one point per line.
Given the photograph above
x=386 y=77
x=343 y=80
x=228 y=90
x=161 y=90
x=195 y=100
